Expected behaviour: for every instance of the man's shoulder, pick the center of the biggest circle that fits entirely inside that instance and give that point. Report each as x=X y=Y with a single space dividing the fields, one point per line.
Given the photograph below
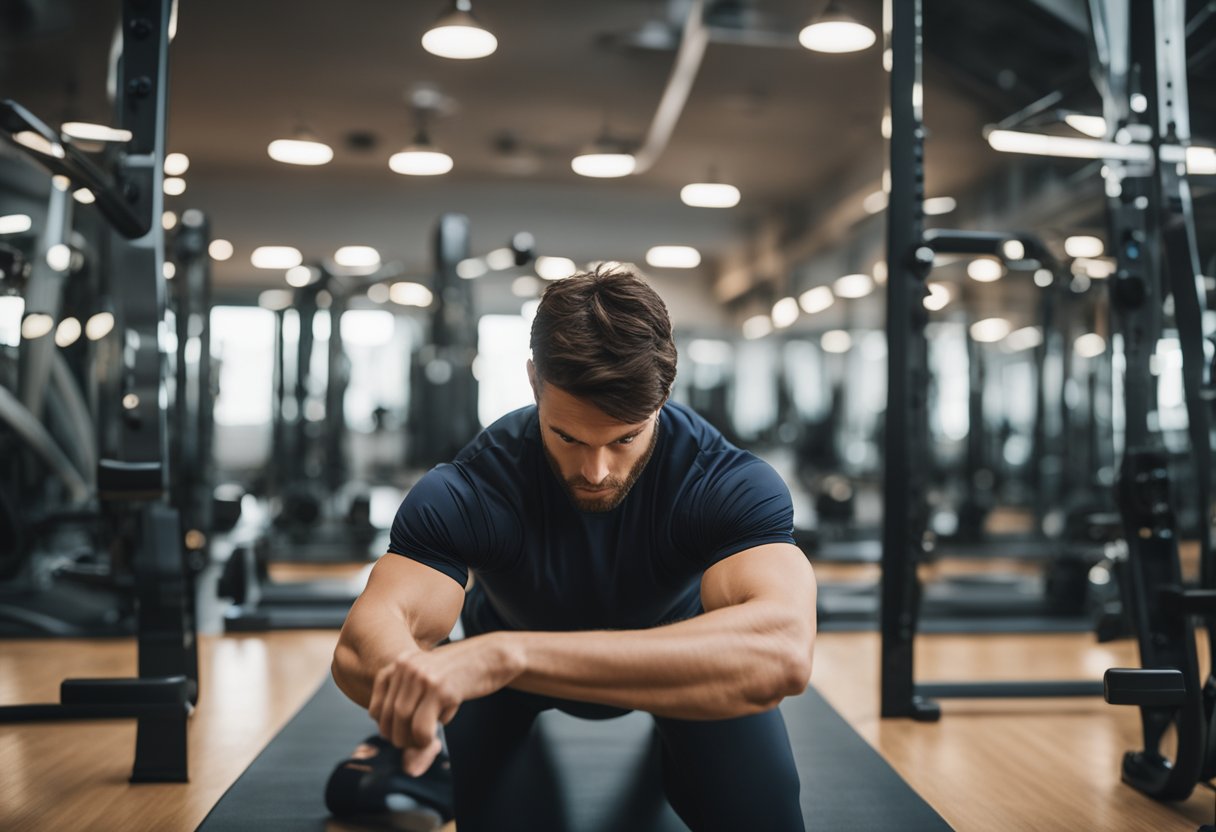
x=510 y=436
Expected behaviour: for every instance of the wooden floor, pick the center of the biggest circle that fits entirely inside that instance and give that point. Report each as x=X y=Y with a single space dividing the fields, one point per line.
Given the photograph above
x=987 y=766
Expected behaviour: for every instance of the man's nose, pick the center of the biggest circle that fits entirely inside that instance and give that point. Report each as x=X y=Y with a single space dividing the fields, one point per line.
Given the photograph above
x=595 y=465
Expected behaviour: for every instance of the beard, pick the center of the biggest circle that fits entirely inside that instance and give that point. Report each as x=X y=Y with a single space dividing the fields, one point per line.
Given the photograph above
x=615 y=489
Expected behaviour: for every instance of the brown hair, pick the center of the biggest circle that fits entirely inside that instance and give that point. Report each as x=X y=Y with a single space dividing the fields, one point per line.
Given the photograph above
x=606 y=336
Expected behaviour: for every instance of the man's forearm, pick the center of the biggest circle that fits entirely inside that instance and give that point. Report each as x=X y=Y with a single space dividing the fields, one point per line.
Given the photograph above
x=728 y=662
x=366 y=646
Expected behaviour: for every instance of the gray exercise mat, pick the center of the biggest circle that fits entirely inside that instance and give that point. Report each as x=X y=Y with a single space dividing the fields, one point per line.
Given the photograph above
x=604 y=774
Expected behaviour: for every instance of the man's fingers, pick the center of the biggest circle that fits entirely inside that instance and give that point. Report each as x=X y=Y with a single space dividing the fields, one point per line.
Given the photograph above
x=424 y=724
x=388 y=706
x=416 y=761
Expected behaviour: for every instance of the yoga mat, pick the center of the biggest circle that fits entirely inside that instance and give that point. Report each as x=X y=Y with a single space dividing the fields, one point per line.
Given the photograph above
x=604 y=772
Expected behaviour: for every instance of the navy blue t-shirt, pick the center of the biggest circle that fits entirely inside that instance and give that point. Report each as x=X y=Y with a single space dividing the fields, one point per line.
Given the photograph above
x=540 y=563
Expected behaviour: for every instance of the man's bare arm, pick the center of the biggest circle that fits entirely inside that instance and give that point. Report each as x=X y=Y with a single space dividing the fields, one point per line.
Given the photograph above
x=406 y=607
x=751 y=648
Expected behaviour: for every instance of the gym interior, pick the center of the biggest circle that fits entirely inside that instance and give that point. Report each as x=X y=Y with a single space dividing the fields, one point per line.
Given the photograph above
x=944 y=265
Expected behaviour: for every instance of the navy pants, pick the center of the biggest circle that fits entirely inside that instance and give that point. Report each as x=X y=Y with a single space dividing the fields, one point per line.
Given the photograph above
x=732 y=774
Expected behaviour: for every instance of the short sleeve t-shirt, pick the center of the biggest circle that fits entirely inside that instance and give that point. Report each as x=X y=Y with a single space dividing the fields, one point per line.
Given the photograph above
x=499 y=511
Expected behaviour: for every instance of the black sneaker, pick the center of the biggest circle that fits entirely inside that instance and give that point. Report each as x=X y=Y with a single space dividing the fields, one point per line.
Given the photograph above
x=372 y=782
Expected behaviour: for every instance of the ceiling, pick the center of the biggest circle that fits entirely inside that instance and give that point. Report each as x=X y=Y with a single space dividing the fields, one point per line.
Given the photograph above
x=796 y=131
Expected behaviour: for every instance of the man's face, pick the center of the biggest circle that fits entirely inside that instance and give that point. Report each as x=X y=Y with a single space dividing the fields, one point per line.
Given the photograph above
x=597 y=458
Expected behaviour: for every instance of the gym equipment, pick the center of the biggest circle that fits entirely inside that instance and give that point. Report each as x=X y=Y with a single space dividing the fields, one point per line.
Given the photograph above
x=133 y=476
x=586 y=769
x=376 y=785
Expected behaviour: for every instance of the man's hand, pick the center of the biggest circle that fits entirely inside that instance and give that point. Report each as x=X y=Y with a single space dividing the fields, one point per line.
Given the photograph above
x=421 y=688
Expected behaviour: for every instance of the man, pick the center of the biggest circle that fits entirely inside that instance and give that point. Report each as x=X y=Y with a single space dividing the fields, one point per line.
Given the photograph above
x=626 y=557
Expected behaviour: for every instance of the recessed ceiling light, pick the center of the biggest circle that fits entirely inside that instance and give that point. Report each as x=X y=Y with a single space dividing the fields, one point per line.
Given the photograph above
x=357 y=257
x=219 y=249
x=673 y=257
x=785 y=312
x=275 y=257
x=757 y=326
x=410 y=294
x=298 y=276
x=816 y=300
x=853 y=286
x=985 y=269
x=1083 y=246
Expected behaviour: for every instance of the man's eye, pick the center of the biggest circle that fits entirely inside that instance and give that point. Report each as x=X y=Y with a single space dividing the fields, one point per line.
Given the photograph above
x=567 y=439
x=628 y=440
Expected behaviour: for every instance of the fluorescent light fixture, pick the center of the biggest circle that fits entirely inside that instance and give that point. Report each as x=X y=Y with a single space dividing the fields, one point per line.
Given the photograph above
x=357 y=257
x=59 y=257
x=1089 y=345
x=757 y=326
x=1092 y=126
x=673 y=257
x=555 y=268
x=175 y=186
x=836 y=341
x=785 y=312
x=709 y=351
x=420 y=159
x=1200 y=160
x=219 y=249
x=168 y=220
x=816 y=300
x=853 y=286
x=274 y=299
x=985 y=269
x=501 y=259
x=67 y=333
x=836 y=32
x=601 y=165
x=275 y=257
x=99 y=326
x=875 y=203
x=458 y=35
x=37 y=143
x=1013 y=250
x=471 y=268
x=1025 y=338
x=298 y=276
x=709 y=195
x=300 y=152
x=990 y=330
x=410 y=294
x=36 y=325
x=1038 y=144
x=169 y=270
x=15 y=224
x=525 y=286
x=1083 y=246
x=938 y=297
x=89 y=132
x=378 y=293
x=176 y=164
x=938 y=205
x=84 y=196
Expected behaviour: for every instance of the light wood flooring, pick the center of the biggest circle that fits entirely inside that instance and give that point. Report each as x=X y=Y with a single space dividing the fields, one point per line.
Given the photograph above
x=987 y=766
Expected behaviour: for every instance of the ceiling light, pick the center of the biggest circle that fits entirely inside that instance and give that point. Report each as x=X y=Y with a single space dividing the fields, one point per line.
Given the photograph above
x=299 y=276
x=525 y=286
x=15 y=224
x=59 y=257
x=1037 y=144
x=300 y=151
x=169 y=270
x=458 y=35
x=1023 y=339
x=89 y=132
x=471 y=268
x=357 y=257
x=673 y=257
x=785 y=312
x=875 y=203
x=219 y=249
x=816 y=300
x=36 y=325
x=175 y=186
x=600 y=163
x=938 y=205
x=274 y=299
x=990 y=330
x=1092 y=126
x=1083 y=246
x=168 y=220
x=880 y=272
x=1089 y=345
x=420 y=159
x=835 y=31
x=709 y=195
x=1043 y=278
x=1200 y=160
x=555 y=268
x=410 y=294
x=1138 y=101
x=99 y=326
x=853 y=286
x=84 y=196
x=275 y=257
x=1013 y=250
x=1093 y=267
x=708 y=351
x=836 y=341
x=176 y=164
x=501 y=259
x=985 y=269
x=67 y=333
x=39 y=143
x=757 y=326
x=938 y=297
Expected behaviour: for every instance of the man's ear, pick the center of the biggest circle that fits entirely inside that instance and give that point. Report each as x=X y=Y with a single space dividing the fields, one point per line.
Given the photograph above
x=534 y=380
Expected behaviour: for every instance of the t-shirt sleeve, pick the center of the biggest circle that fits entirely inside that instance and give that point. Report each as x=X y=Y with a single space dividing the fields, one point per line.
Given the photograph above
x=738 y=504
x=446 y=524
